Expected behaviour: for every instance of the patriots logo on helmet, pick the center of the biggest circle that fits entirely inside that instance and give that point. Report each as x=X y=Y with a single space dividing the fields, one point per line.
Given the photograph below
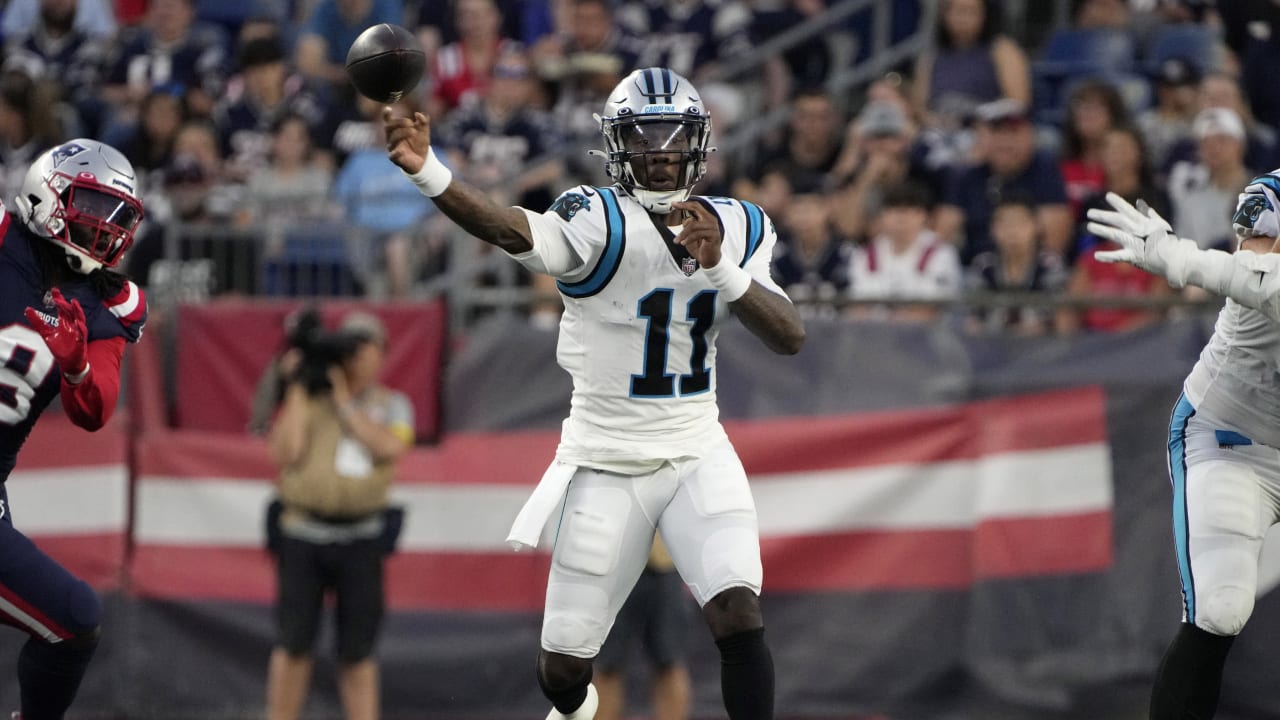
x=65 y=152
x=689 y=266
x=1249 y=210
x=568 y=205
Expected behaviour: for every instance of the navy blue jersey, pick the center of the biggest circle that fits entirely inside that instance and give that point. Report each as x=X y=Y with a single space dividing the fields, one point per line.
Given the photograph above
x=501 y=148
x=198 y=62
x=73 y=61
x=820 y=278
x=29 y=378
x=245 y=126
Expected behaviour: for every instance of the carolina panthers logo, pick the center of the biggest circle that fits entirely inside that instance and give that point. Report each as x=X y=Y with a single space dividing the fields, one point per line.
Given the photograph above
x=65 y=152
x=1249 y=210
x=568 y=205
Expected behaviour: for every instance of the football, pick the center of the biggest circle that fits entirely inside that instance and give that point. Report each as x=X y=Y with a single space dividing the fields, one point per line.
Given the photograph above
x=385 y=62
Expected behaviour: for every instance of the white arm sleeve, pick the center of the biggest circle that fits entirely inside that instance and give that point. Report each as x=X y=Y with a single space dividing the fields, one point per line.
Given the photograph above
x=1250 y=279
x=552 y=253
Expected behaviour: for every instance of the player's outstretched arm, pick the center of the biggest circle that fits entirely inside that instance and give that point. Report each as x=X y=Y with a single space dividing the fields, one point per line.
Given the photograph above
x=1147 y=241
x=767 y=314
x=409 y=147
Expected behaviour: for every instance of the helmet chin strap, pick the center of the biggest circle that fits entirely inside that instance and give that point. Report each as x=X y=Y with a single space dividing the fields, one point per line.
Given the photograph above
x=659 y=202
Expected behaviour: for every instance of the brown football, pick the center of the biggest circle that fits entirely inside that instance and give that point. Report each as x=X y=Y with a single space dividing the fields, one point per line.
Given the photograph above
x=385 y=63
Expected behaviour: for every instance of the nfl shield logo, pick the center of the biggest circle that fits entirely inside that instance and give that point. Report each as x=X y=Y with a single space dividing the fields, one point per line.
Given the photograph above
x=689 y=265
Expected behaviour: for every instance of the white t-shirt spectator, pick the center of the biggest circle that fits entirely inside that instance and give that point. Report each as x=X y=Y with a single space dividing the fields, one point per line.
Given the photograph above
x=927 y=270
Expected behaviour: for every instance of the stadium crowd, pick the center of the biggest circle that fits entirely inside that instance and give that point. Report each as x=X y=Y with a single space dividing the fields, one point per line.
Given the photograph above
x=968 y=169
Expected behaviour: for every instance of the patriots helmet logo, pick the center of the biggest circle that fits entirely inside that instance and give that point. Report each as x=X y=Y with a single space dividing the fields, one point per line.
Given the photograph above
x=568 y=205
x=65 y=152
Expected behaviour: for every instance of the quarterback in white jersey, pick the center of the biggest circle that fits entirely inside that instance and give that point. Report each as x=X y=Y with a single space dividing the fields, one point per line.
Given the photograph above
x=647 y=274
x=1224 y=437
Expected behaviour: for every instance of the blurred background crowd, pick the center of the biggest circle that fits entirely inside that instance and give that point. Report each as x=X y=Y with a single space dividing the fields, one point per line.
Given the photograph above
x=905 y=149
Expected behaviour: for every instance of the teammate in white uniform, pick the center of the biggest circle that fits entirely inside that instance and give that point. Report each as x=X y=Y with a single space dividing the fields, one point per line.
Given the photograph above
x=1224 y=437
x=647 y=276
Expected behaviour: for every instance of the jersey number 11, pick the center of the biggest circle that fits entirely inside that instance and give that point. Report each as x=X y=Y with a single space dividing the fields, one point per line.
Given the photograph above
x=655 y=381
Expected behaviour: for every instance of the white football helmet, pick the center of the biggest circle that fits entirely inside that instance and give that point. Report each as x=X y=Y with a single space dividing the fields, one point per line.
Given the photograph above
x=82 y=195
x=653 y=117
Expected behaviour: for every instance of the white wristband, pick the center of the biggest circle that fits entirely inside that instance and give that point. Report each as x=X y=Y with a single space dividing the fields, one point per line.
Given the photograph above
x=732 y=281
x=78 y=377
x=434 y=178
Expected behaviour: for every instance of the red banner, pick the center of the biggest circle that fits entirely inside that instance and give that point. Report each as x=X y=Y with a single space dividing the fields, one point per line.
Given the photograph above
x=223 y=347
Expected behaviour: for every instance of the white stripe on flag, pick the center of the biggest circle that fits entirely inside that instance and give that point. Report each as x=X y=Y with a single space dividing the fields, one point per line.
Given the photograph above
x=954 y=494
x=69 y=501
x=469 y=518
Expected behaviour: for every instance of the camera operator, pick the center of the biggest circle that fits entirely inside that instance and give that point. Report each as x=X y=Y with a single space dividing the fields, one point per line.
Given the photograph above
x=336 y=439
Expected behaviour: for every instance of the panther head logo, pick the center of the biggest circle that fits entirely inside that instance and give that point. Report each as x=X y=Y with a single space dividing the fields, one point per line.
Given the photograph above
x=568 y=205
x=1249 y=210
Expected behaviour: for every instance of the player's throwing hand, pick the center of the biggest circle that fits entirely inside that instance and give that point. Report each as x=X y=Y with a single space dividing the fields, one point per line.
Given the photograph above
x=700 y=233
x=408 y=139
x=68 y=339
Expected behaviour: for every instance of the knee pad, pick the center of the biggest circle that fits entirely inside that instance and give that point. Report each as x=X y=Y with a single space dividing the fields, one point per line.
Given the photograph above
x=1225 y=610
x=573 y=622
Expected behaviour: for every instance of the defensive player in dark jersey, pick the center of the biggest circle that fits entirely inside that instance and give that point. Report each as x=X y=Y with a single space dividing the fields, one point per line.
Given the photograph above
x=65 y=318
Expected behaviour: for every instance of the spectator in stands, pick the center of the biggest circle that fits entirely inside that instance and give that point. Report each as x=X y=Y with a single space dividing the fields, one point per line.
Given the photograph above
x=1221 y=90
x=810 y=148
x=522 y=21
x=1203 y=193
x=336 y=440
x=972 y=64
x=1016 y=265
x=1167 y=124
x=54 y=48
x=94 y=19
x=503 y=145
x=1093 y=109
x=879 y=153
x=263 y=92
x=656 y=615
x=148 y=143
x=381 y=211
x=905 y=261
x=1129 y=174
x=321 y=51
x=1102 y=15
x=461 y=70
x=1252 y=32
x=29 y=125
x=811 y=261
x=354 y=128
x=293 y=188
x=1007 y=160
x=170 y=48
x=689 y=37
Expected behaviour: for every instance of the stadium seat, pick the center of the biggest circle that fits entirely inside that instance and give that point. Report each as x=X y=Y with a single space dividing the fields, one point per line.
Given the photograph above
x=1190 y=41
x=313 y=261
x=1073 y=55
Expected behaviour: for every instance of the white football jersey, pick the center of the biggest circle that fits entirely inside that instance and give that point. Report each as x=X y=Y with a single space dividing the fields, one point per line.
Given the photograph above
x=1235 y=380
x=638 y=333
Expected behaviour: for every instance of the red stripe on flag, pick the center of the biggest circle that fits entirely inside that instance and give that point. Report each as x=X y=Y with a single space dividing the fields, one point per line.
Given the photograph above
x=423 y=581
x=961 y=432
x=1014 y=547
x=845 y=562
x=96 y=558
x=938 y=559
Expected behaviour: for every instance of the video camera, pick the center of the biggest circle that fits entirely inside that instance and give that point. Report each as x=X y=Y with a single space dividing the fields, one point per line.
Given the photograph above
x=321 y=349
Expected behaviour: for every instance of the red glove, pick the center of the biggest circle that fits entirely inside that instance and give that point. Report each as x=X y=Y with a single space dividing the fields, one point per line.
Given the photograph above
x=69 y=339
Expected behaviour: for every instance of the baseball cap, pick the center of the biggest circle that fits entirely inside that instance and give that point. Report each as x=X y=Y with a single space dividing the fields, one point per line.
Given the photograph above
x=365 y=326
x=882 y=118
x=1004 y=110
x=1177 y=72
x=1218 y=121
x=260 y=51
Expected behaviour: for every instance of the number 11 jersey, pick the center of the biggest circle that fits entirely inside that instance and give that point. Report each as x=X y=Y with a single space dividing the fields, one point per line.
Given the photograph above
x=638 y=334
